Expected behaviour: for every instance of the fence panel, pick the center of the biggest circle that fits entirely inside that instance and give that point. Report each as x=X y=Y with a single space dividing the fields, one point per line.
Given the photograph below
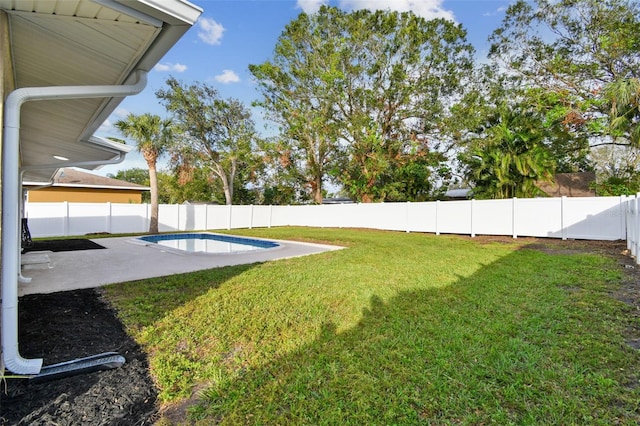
x=168 y=217
x=241 y=216
x=47 y=219
x=594 y=218
x=538 y=217
x=85 y=218
x=493 y=217
x=422 y=217
x=606 y=218
x=454 y=217
x=261 y=217
x=128 y=218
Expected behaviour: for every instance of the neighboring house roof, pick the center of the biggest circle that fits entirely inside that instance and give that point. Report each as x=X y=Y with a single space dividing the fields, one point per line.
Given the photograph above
x=83 y=42
x=337 y=200
x=570 y=185
x=563 y=185
x=460 y=193
x=71 y=178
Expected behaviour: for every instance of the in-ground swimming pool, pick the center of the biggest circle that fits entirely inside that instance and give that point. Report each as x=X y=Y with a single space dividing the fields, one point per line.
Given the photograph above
x=208 y=243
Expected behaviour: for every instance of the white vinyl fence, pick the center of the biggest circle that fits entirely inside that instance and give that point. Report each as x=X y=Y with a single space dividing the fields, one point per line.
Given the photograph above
x=633 y=226
x=597 y=218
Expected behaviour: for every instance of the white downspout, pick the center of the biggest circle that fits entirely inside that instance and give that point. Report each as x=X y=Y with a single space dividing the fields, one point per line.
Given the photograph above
x=11 y=202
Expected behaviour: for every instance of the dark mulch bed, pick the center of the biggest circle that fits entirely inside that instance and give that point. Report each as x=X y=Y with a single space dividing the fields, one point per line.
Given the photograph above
x=63 y=245
x=65 y=326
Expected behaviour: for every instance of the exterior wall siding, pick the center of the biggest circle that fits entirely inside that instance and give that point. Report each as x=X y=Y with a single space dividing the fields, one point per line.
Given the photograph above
x=84 y=195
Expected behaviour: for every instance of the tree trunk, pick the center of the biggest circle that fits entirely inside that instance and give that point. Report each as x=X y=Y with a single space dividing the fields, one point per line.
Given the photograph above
x=153 y=183
x=316 y=186
x=228 y=189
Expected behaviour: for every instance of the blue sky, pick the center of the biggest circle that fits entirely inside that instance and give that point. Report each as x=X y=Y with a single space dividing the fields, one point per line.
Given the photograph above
x=231 y=34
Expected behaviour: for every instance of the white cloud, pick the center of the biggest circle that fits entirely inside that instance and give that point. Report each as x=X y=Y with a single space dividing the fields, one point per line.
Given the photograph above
x=170 y=67
x=106 y=126
x=227 y=76
x=210 y=31
x=311 y=6
x=121 y=112
x=496 y=12
x=428 y=9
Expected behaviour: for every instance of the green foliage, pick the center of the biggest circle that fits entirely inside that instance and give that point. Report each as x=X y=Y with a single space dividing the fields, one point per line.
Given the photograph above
x=617 y=171
x=197 y=189
x=139 y=177
x=213 y=134
x=358 y=95
x=505 y=334
x=284 y=181
x=615 y=186
x=513 y=150
x=135 y=175
x=624 y=98
x=152 y=135
x=586 y=46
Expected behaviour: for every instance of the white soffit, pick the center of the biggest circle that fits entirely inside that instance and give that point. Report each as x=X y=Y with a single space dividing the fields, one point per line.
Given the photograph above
x=83 y=42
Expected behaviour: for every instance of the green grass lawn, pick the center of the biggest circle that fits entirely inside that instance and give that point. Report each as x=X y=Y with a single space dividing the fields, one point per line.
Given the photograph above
x=398 y=329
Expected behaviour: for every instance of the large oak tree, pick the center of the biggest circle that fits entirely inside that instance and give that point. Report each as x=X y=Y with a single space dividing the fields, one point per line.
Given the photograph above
x=362 y=95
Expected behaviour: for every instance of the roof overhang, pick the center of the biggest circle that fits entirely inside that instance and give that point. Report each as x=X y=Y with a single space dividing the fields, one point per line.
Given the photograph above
x=83 y=42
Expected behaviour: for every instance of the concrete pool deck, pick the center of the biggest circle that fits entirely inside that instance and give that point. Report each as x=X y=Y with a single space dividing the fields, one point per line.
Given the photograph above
x=122 y=260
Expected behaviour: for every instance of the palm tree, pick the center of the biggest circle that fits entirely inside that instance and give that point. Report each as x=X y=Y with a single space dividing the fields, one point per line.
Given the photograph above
x=624 y=98
x=511 y=158
x=152 y=135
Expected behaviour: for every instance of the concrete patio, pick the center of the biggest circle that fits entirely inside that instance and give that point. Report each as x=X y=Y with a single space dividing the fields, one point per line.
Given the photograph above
x=122 y=260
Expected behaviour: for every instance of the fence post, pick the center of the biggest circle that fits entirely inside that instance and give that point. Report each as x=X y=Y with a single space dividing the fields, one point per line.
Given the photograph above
x=251 y=218
x=270 y=214
x=623 y=216
x=629 y=217
x=407 y=217
x=563 y=228
x=146 y=219
x=471 y=209
x=514 y=233
x=636 y=228
x=109 y=217
x=229 y=217
x=437 y=205
x=65 y=224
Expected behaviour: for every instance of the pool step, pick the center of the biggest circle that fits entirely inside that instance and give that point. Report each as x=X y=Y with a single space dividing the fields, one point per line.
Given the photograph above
x=103 y=361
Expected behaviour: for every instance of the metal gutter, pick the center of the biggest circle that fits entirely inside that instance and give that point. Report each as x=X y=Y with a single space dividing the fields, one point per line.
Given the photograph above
x=11 y=202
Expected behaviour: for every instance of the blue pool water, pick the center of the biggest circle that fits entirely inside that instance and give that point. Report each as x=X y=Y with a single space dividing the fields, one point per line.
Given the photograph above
x=208 y=243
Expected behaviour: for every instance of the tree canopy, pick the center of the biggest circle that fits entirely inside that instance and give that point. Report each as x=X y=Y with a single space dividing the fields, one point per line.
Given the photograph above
x=574 y=49
x=212 y=133
x=387 y=106
x=362 y=95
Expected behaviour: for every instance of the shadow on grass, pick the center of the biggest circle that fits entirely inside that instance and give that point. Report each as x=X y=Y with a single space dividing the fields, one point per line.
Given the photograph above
x=509 y=344
x=68 y=325
x=144 y=302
